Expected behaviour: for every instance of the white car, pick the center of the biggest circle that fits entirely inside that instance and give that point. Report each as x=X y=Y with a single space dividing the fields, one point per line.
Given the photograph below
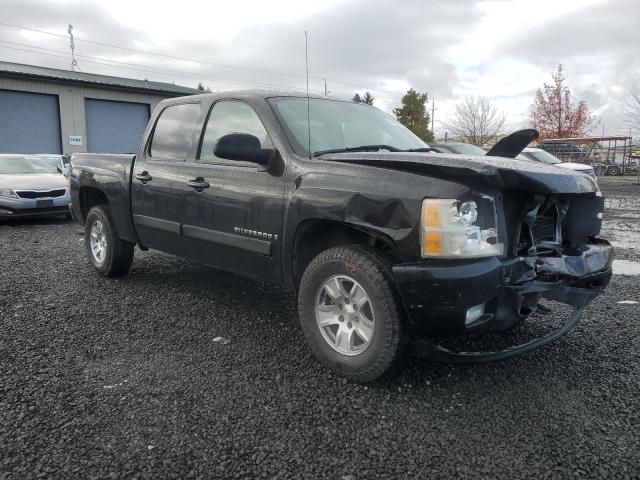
x=59 y=162
x=31 y=186
x=539 y=155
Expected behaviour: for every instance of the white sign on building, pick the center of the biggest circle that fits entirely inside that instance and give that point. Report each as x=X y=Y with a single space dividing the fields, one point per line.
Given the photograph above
x=75 y=139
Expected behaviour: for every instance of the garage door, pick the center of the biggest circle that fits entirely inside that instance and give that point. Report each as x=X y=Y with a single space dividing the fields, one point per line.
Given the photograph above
x=115 y=127
x=29 y=123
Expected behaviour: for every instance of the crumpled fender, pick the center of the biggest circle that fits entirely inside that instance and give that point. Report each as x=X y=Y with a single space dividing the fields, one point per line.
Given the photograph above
x=390 y=209
x=392 y=217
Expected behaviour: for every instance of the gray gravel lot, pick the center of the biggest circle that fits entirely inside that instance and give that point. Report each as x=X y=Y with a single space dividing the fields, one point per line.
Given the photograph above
x=123 y=379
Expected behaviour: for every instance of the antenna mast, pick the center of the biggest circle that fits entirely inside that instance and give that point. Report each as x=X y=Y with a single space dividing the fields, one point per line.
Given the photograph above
x=306 y=58
x=74 y=62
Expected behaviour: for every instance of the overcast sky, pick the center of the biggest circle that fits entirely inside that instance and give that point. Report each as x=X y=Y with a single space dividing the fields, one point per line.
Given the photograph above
x=504 y=49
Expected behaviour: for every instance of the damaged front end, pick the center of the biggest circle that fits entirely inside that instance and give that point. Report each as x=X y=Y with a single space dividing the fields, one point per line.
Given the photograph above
x=551 y=252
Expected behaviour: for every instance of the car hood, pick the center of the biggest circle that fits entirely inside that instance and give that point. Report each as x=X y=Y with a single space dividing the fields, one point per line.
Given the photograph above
x=576 y=167
x=34 y=181
x=497 y=172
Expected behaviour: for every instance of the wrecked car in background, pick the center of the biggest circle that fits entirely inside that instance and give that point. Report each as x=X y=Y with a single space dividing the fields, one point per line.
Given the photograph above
x=385 y=242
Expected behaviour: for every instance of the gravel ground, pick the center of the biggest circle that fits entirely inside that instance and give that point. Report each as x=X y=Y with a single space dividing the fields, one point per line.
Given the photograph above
x=125 y=379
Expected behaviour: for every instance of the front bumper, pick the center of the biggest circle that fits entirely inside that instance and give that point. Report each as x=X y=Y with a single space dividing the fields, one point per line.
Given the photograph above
x=437 y=295
x=28 y=207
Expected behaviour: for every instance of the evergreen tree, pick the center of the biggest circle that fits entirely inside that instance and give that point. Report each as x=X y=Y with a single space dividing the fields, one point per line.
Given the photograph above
x=413 y=114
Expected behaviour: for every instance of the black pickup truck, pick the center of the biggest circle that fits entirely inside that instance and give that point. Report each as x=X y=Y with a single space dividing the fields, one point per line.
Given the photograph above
x=386 y=243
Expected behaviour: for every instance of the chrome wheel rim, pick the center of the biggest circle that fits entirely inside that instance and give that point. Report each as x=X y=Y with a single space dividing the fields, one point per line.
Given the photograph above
x=344 y=315
x=98 y=242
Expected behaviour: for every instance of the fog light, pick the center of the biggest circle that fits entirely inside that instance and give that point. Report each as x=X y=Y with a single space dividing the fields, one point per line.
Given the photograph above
x=4 y=211
x=474 y=313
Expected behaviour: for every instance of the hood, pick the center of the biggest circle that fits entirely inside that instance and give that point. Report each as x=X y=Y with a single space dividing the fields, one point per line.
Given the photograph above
x=496 y=172
x=576 y=167
x=34 y=181
x=511 y=145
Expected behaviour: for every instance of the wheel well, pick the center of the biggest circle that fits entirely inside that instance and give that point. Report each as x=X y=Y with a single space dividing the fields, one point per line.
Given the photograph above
x=89 y=198
x=315 y=236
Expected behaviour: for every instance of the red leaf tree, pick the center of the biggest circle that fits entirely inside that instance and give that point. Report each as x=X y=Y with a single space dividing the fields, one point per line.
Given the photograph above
x=553 y=113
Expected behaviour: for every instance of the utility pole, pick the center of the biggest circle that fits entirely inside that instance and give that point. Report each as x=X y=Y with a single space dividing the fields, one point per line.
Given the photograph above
x=433 y=110
x=74 y=62
x=560 y=114
x=325 y=87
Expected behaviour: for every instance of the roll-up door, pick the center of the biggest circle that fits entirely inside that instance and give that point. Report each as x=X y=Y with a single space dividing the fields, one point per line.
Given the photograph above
x=115 y=127
x=29 y=122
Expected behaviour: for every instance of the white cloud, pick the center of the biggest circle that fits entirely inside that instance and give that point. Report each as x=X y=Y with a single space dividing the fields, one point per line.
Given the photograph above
x=504 y=49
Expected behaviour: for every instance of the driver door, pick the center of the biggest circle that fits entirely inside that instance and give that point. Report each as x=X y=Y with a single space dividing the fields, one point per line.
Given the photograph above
x=235 y=222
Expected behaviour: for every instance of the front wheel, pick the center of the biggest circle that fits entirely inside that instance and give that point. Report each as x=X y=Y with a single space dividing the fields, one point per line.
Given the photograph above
x=109 y=255
x=349 y=312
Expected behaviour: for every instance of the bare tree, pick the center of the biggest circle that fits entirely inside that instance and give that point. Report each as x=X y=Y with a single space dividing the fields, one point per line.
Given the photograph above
x=476 y=120
x=632 y=109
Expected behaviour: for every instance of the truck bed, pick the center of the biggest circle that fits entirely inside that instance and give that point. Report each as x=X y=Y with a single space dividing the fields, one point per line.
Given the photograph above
x=109 y=174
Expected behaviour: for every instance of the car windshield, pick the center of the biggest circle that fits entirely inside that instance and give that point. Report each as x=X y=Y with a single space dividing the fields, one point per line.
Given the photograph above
x=17 y=165
x=51 y=160
x=544 y=157
x=340 y=125
x=466 y=149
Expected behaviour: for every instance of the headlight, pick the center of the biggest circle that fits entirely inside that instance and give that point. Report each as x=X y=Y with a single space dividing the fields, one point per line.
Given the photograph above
x=459 y=229
x=8 y=193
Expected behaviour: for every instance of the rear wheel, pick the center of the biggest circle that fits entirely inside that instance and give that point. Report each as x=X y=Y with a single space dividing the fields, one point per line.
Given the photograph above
x=109 y=255
x=349 y=313
x=614 y=171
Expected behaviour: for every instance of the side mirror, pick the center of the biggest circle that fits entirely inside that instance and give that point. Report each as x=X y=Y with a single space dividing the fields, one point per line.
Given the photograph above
x=242 y=147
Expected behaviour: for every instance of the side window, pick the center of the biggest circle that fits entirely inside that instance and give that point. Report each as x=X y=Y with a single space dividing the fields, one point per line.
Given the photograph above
x=174 y=132
x=231 y=116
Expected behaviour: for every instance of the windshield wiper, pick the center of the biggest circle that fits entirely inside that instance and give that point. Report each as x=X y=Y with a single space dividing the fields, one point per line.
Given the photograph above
x=421 y=149
x=361 y=148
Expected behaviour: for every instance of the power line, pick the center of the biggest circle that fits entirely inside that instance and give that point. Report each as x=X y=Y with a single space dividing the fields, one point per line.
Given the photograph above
x=132 y=66
x=147 y=52
x=173 y=57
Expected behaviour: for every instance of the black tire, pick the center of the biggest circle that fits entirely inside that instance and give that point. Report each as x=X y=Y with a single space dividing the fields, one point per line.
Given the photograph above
x=118 y=254
x=615 y=171
x=367 y=267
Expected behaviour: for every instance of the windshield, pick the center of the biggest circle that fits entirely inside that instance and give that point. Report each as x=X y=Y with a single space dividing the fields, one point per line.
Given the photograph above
x=338 y=125
x=16 y=165
x=466 y=149
x=544 y=157
x=51 y=160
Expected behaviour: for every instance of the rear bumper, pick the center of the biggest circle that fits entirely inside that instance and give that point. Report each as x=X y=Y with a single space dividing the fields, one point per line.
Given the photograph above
x=437 y=296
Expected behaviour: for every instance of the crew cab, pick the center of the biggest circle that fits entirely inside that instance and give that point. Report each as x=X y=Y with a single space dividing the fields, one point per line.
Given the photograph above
x=386 y=243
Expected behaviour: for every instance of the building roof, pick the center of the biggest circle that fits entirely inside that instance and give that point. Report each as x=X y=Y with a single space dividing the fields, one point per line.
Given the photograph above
x=18 y=70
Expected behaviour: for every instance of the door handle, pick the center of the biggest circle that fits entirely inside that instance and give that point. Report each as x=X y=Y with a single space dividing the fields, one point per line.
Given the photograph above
x=144 y=177
x=199 y=184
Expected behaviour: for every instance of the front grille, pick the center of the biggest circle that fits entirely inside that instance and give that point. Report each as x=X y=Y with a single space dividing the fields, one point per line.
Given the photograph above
x=540 y=236
x=40 y=194
x=543 y=228
x=552 y=225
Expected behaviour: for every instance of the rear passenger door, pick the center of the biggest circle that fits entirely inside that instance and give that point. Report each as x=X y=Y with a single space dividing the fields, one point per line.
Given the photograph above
x=160 y=178
x=235 y=222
